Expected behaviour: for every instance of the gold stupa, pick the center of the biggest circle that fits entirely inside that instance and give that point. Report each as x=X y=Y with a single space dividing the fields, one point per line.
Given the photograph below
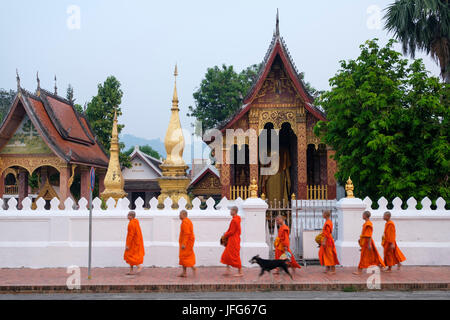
x=174 y=181
x=114 y=182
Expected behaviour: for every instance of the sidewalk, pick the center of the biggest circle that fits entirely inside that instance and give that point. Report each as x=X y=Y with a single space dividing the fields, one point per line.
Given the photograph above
x=210 y=279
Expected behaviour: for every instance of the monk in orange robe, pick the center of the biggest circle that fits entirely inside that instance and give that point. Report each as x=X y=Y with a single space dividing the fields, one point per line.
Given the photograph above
x=392 y=254
x=134 y=250
x=282 y=243
x=231 y=255
x=186 y=241
x=327 y=251
x=369 y=253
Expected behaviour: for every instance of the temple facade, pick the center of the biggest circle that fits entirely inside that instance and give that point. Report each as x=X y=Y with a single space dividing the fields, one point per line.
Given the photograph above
x=278 y=100
x=45 y=145
x=141 y=180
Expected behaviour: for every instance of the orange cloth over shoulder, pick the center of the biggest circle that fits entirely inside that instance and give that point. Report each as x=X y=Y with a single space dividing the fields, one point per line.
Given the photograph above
x=369 y=257
x=232 y=254
x=327 y=253
x=391 y=256
x=135 y=254
x=283 y=241
x=187 y=239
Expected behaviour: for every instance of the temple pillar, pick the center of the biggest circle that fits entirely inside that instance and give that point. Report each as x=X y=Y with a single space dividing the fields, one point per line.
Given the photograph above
x=85 y=182
x=253 y=146
x=331 y=171
x=64 y=189
x=2 y=185
x=225 y=173
x=23 y=186
x=301 y=155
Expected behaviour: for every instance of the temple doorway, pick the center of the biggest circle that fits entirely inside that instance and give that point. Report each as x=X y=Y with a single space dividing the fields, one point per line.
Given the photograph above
x=279 y=187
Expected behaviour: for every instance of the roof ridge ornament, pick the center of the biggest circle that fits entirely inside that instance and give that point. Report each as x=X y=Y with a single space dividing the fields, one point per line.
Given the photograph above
x=56 y=88
x=38 y=89
x=277 y=27
x=18 y=80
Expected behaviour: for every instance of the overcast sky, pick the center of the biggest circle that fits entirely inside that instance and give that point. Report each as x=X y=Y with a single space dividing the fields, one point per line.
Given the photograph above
x=139 y=42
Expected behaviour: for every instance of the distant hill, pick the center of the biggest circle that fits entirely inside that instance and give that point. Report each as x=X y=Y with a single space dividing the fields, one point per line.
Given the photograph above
x=130 y=141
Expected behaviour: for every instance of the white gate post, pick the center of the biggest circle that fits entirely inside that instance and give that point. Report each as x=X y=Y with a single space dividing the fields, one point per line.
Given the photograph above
x=253 y=236
x=349 y=229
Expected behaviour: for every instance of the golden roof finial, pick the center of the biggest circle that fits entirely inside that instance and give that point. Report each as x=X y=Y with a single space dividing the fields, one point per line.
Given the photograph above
x=175 y=94
x=174 y=140
x=349 y=188
x=253 y=189
x=114 y=182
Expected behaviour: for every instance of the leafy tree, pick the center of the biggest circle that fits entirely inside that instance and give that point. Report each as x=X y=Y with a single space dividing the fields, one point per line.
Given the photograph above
x=220 y=94
x=100 y=114
x=6 y=99
x=422 y=25
x=389 y=123
x=145 y=149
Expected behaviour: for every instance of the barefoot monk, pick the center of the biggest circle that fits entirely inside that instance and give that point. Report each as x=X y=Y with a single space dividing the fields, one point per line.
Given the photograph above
x=282 y=243
x=392 y=254
x=369 y=253
x=327 y=251
x=186 y=241
x=134 y=250
x=231 y=256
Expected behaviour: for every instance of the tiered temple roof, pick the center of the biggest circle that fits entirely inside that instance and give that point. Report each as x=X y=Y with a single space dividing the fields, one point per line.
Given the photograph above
x=276 y=48
x=66 y=132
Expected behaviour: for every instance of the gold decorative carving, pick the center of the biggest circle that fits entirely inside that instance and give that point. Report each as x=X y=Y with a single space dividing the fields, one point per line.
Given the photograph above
x=277 y=117
x=72 y=177
x=31 y=163
x=253 y=188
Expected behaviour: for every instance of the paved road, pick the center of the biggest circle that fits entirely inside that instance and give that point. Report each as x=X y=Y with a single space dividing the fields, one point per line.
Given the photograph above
x=273 y=295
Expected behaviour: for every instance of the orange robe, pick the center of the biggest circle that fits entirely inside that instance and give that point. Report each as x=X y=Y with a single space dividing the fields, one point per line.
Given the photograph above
x=368 y=257
x=135 y=254
x=187 y=239
x=231 y=255
x=391 y=256
x=282 y=241
x=328 y=254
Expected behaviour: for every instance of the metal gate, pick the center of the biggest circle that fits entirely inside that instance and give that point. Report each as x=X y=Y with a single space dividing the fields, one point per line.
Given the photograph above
x=304 y=218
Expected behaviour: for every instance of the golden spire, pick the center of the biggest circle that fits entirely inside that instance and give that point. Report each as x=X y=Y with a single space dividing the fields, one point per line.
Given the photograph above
x=174 y=181
x=174 y=140
x=114 y=182
x=349 y=188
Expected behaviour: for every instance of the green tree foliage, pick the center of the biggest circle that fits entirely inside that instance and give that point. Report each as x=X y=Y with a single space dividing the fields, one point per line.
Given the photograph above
x=100 y=114
x=221 y=93
x=145 y=149
x=422 y=25
x=6 y=99
x=389 y=123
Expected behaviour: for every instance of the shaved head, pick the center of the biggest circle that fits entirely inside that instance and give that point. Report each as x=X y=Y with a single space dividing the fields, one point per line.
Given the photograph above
x=326 y=213
x=366 y=214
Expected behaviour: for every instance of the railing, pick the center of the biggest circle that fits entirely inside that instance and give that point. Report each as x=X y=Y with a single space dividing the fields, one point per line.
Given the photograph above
x=11 y=189
x=239 y=192
x=316 y=192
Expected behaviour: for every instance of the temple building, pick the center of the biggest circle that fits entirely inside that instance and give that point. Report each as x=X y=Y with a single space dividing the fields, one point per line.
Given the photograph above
x=44 y=145
x=278 y=100
x=206 y=184
x=141 y=180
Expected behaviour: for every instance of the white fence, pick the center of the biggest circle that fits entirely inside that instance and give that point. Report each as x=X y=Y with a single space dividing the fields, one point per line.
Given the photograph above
x=422 y=235
x=58 y=238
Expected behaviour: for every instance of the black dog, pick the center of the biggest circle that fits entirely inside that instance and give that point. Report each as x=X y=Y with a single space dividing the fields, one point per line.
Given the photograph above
x=269 y=265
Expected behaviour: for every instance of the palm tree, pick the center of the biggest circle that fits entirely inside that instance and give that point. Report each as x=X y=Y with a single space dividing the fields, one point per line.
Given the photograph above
x=422 y=25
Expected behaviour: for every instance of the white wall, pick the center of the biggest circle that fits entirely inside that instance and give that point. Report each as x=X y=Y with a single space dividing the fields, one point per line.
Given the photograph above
x=422 y=235
x=59 y=238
